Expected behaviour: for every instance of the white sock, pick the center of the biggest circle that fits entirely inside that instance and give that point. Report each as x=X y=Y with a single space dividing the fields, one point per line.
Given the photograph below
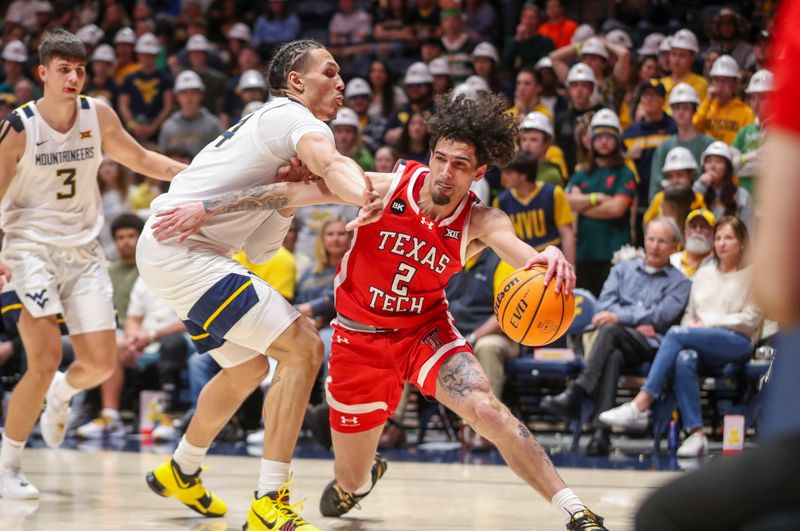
x=566 y=503
x=273 y=475
x=364 y=487
x=64 y=391
x=188 y=456
x=11 y=452
x=109 y=412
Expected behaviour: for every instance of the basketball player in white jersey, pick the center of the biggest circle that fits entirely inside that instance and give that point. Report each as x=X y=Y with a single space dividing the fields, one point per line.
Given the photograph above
x=236 y=316
x=52 y=264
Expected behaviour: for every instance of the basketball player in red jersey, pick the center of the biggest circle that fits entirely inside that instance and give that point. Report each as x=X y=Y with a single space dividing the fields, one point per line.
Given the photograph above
x=393 y=325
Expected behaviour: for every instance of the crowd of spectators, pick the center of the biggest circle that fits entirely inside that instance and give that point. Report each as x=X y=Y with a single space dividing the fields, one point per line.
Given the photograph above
x=641 y=123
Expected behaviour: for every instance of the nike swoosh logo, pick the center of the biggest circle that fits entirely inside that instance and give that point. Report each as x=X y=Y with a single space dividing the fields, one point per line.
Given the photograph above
x=268 y=525
x=40 y=143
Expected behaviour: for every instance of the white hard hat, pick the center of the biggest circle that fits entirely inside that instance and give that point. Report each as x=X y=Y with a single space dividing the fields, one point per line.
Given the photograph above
x=486 y=49
x=605 y=118
x=538 y=121
x=346 y=116
x=104 y=52
x=240 y=31
x=685 y=40
x=762 y=81
x=15 y=51
x=594 y=46
x=478 y=83
x=125 y=36
x=357 y=87
x=251 y=79
x=679 y=158
x=147 y=43
x=418 y=73
x=582 y=32
x=621 y=37
x=683 y=93
x=665 y=45
x=251 y=107
x=651 y=44
x=43 y=6
x=725 y=66
x=463 y=89
x=198 y=43
x=90 y=34
x=581 y=72
x=188 y=80
x=439 y=67
x=717 y=148
x=544 y=62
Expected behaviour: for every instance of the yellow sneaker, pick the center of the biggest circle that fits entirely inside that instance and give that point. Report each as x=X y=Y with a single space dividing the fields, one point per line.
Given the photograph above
x=273 y=512
x=168 y=480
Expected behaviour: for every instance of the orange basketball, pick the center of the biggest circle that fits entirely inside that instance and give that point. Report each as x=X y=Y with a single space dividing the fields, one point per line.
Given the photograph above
x=530 y=314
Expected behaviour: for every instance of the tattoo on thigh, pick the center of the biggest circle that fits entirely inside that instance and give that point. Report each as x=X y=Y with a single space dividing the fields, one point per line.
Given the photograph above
x=460 y=377
x=524 y=432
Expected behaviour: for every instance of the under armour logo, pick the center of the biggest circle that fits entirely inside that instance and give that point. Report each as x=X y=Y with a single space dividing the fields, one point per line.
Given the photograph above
x=340 y=339
x=432 y=339
x=344 y=421
x=452 y=233
x=38 y=297
x=427 y=222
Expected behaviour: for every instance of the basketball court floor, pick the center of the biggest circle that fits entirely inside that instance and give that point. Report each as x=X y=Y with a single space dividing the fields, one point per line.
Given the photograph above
x=424 y=488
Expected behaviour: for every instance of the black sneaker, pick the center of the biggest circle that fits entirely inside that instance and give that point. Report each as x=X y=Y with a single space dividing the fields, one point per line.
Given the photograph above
x=586 y=520
x=336 y=502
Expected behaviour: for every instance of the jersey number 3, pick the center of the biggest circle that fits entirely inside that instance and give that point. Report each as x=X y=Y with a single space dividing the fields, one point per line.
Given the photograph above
x=68 y=174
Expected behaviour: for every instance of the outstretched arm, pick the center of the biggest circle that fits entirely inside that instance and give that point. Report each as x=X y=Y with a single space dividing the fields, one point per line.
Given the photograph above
x=123 y=148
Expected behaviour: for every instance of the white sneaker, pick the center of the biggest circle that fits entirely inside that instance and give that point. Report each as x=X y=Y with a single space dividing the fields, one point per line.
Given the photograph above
x=256 y=438
x=625 y=416
x=14 y=485
x=102 y=425
x=55 y=416
x=695 y=445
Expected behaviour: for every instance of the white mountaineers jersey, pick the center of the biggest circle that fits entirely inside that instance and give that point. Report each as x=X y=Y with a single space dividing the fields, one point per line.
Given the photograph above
x=245 y=156
x=54 y=197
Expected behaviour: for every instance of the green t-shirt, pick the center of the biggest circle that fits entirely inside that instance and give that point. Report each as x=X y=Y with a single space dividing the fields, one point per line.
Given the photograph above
x=749 y=138
x=364 y=159
x=696 y=145
x=598 y=239
x=122 y=278
x=547 y=172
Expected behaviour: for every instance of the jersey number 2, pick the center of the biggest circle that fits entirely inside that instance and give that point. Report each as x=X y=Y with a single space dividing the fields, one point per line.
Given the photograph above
x=403 y=276
x=69 y=180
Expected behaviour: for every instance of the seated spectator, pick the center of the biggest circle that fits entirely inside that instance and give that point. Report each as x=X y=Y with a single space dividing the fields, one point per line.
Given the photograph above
x=664 y=59
x=347 y=134
x=580 y=86
x=527 y=91
x=557 y=27
x=683 y=102
x=750 y=137
x=145 y=97
x=480 y=19
x=418 y=84
x=125 y=230
x=424 y=18
x=722 y=113
x=24 y=90
x=15 y=56
x=680 y=169
x=198 y=49
x=458 y=45
x=722 y=196
x=415 y=140
x=721 y=324
x=440 y=71
x=536 y=138
x=729 y=30
x=550 y=96
x=7 y=104
x=641 y=299
x=310 y=220
x=276 y=25
x=597 y=52
x=349 y=27
x=526 y=47
x=698 y=237
x=391 y=22
x=101 y=83
x=761 y=49
x=385 y=159
x=678 y=201
x=602 y=196
x=232 y=104
x=630 y=111
x=114 y=181
x=539 y=211
x=124 y=41
x=485 y=64
x=683 y=47
x=192 y=126
x=358 y=97
x=238 y=38
x=386 y=96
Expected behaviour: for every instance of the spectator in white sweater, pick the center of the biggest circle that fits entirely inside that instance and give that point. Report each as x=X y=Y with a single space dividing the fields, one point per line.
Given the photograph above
x=721 y=324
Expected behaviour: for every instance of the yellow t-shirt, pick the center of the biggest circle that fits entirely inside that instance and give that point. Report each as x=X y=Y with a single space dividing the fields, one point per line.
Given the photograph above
x=698 y=83
x=278 y=271
x=555 y=155
x=539 y=107
x=722 y=121
x=654 y=210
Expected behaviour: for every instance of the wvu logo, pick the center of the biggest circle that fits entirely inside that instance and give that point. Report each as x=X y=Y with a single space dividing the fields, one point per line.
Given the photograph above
x=86 y=134
x=344 y=421
x=451 y=233
x=38 y=297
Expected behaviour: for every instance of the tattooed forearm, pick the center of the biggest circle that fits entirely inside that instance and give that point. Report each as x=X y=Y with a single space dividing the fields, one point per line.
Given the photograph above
x=460 y=377
x=262 y=197
x=523 y=431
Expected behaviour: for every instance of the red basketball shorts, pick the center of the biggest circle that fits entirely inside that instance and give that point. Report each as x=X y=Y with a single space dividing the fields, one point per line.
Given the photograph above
x=368 y=370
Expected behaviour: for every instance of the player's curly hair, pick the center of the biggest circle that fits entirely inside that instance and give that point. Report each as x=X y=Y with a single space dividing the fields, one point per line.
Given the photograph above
x=291 y=56
x=484 y=124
